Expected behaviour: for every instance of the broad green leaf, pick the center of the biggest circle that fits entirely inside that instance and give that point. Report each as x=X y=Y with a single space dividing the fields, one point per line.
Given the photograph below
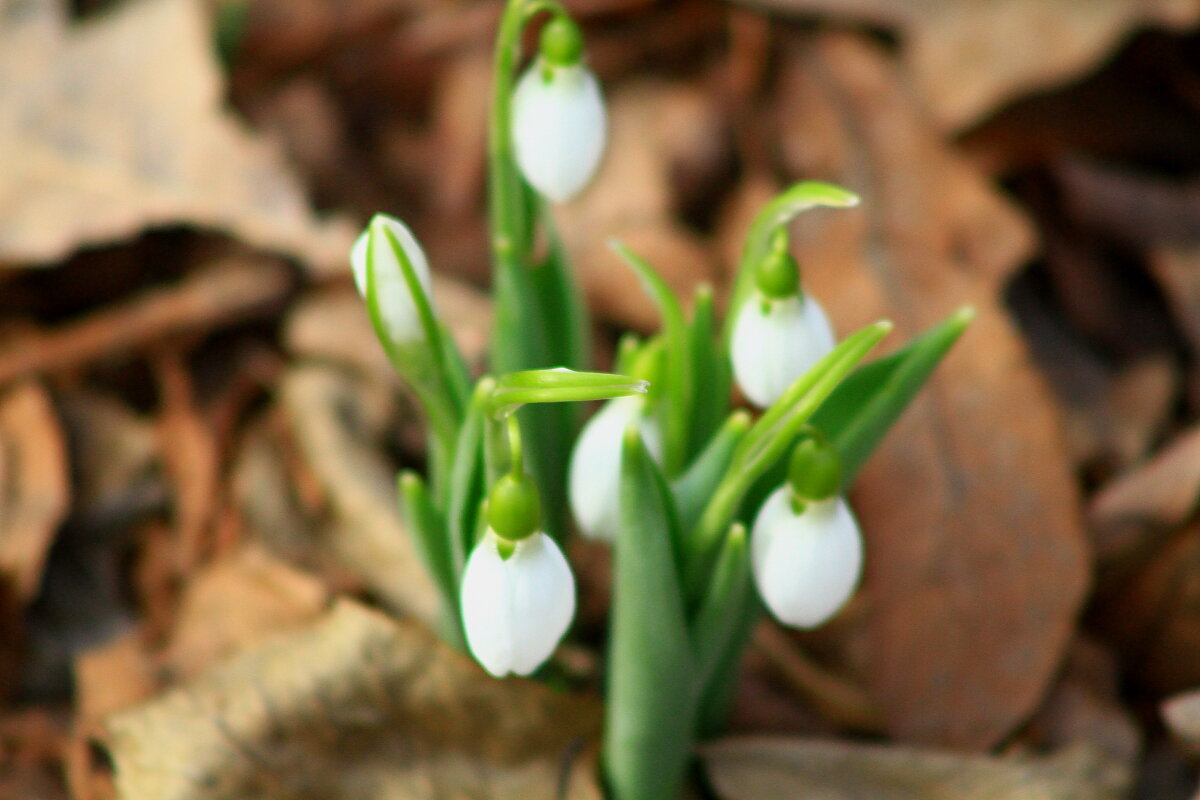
x=650 y=708
x=694 y=488
x=711 y=372
x=716 y=621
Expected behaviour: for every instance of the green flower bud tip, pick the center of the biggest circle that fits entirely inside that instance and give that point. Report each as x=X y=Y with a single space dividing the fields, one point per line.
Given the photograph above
x=514 y=508
x=815 y=471
x=561 y=42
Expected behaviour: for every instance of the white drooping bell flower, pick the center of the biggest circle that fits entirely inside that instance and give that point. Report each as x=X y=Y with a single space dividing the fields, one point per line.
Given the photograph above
x=806 y=565
x=515 y=610
x=779 y=332
x=775 y=342
x=595 y=474
x=559 y=123
x=375 y=246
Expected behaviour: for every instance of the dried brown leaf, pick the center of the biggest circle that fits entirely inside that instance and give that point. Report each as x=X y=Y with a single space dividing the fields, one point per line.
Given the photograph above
x=34 y=485
x=976 y=561
x=968 y=57
x=353 y=706
x=798 y=769
x=97 y=154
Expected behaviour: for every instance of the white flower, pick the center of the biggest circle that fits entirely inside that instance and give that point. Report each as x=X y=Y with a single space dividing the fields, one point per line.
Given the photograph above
x=775 y=342
x=396 y=306
x=516 y=610
x=558 y=128
x=595 y=479
x=806 y=565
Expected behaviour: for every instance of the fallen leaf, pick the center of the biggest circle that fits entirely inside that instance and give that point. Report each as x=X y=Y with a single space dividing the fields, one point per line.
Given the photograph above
x=1182 y=715
x=976 y=560
x=970 y=56
x=1132 y=512
x=96 y=155
x=113 y=676
x=797 y=769
x=233 y=602
x=35 y=486
x=354 y=706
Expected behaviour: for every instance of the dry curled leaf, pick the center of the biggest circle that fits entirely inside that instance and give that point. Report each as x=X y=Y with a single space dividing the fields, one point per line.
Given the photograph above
x=354 y=706
x=97 y=154
x=796 y=769
x=976 y=561
x=34 y=486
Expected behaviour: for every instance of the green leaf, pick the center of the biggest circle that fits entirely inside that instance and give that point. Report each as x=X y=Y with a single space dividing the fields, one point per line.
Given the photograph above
x=795 y=199
x=694 y=488
x=650 y=709
x=865 y=405
x=710 y=369
x=716 y=620
x=429 y=534
x=678 y=362
x=559 y=386
x=466 y=477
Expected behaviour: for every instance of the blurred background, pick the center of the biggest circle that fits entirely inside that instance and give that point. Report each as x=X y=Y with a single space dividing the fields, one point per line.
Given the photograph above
x=198 y=431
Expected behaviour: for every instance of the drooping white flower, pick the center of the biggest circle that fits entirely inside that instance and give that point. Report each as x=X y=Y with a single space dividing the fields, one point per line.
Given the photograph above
x=806 y=565
x=558 y=127
x=397 y=308
x=775 y=342
x=516 y=609
x=595 y=473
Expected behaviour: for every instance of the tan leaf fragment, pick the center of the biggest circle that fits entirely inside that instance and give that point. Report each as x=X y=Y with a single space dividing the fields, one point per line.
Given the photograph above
x=354 y=706
x=976 y=560
x=34 y=485
x=94 y=155
x=969 y=56
x=1182 y=715
x=796 y=769
x=234 y=602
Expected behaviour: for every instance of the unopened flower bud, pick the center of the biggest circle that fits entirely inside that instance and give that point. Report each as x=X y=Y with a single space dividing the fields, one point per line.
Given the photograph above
x=377 y=254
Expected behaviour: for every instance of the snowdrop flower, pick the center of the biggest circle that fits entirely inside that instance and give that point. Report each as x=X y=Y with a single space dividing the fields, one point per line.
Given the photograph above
x=558 y=121
x=518 y=593
x=806 y=550
x=806 y=563
x=595 y=472
x=780 y=332
x=376 y=246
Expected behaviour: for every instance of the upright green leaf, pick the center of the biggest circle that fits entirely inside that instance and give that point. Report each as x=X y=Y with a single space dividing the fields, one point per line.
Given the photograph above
x=650 y=712
x=864 y=406
x=711 y=372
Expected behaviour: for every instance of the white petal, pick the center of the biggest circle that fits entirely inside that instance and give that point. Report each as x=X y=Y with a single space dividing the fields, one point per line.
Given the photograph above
x=515 y=611
x=806 y=566
x=595 y=474
x=543 y=601
x=486 y=609
x=396 y=304
x=559 y=128
x=773 y=346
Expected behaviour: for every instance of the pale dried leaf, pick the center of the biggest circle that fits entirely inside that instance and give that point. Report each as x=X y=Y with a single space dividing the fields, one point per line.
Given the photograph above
x=96 y=155
x=234 y=602
x=354 y=706
x=34 y=485
x=1182 y=715
x=797 y=769
x=976 y=561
